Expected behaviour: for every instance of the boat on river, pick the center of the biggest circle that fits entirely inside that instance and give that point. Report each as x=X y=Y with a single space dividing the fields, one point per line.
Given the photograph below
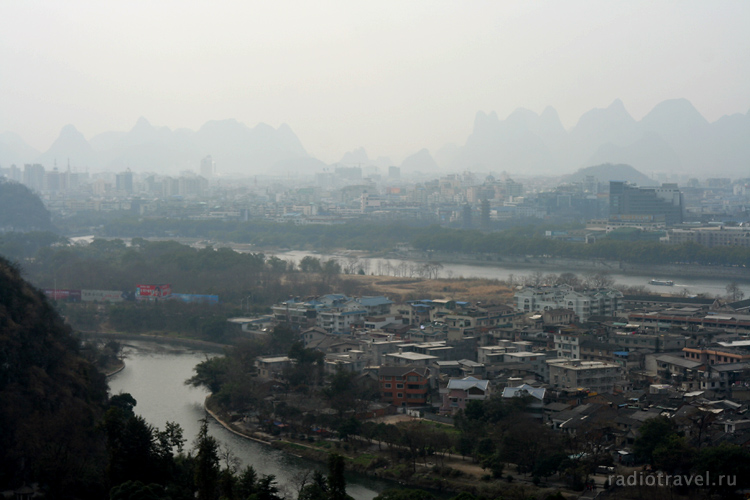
x=661 y=282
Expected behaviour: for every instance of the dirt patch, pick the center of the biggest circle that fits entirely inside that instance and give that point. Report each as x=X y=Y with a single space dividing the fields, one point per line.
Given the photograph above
x=471 y=290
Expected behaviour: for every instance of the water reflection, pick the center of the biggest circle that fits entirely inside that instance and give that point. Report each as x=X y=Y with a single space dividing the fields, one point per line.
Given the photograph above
x=155 y=374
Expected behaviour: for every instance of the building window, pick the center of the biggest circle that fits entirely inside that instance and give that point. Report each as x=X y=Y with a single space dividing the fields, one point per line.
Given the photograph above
x=399 y=386
x=387 y=386
x=400 y=395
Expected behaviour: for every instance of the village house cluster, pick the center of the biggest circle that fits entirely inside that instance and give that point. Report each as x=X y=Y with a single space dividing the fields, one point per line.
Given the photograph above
x=583 y=357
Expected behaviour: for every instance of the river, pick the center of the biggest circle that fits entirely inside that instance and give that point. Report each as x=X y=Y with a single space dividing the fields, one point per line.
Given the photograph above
x=154 y=375
x=711 y=286
x=690 y=286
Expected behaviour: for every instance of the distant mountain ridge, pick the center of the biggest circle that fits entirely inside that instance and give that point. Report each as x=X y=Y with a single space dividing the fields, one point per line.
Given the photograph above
x=673 y=137
x=234 y=147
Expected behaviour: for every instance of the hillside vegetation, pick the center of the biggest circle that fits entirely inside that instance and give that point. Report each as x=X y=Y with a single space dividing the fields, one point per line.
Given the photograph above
x=51 y=399
x=21 y=209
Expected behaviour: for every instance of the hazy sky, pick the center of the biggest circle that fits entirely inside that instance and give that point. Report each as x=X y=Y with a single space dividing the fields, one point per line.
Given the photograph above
x=392 y=76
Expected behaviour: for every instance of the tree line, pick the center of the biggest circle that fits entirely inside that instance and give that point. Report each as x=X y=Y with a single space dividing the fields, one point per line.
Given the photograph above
x=523 y=239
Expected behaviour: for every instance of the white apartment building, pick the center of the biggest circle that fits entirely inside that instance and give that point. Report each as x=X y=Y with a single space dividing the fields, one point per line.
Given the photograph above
x=594 y=302
x=567 y=346
x=596 y=376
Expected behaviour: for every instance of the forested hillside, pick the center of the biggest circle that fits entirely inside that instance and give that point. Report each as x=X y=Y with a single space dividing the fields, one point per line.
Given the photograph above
x=21 y=209
x=51 y=399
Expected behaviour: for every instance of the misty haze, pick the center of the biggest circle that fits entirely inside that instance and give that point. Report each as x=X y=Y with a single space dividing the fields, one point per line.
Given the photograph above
x=386 y=250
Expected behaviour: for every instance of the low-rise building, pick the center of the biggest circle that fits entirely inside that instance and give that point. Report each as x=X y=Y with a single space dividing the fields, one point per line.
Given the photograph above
x=536 y=360
x=404 y=385
x=593 y=375
x=720 y=352
x=568 y=345
x=674 y=369
x=536 y=395
x=272 y=367
x=586 y=303
x=459 y=392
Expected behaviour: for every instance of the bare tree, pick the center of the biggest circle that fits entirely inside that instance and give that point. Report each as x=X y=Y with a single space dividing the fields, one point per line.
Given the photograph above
x=534 y=279
x=364 y=265
x=550 y=279
x=431 y=270
x=598 y=279
x=402 y=268
x=231 y=461
x=734 y=292
x=570 y=279
x=351 y=265
x=387 y=268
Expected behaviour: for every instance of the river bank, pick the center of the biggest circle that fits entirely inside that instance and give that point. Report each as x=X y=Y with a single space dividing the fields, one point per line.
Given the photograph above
x=580 y=265
x=454 y=475
x=161 y=339
x=114 y=370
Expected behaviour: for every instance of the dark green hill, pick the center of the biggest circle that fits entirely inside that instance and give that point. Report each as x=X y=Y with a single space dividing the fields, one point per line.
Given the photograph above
x=50 y=398
x=609 y=172
x=22 y=210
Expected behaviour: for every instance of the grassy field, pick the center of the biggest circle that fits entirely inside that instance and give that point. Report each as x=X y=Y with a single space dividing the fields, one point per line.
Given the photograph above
x=473 y=290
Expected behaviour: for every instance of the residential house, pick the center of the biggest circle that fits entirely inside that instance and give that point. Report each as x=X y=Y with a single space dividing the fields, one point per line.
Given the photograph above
x=535 y=395
x=272 y=367
x=405 y=385
x=459 y=392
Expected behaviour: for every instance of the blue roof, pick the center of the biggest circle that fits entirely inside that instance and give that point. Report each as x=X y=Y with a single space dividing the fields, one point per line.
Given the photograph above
x=335 y=296
x=375 y=301
x=621 y=353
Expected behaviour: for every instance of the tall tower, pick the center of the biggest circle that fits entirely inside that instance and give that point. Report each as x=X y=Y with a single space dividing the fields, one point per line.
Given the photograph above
x=124 y=182
x=208 y=167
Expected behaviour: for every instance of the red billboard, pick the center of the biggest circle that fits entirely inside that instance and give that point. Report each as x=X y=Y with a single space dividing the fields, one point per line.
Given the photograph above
x=153 y=291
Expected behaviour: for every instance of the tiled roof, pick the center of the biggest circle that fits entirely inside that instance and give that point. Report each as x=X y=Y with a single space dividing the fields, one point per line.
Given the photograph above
x=467 y=383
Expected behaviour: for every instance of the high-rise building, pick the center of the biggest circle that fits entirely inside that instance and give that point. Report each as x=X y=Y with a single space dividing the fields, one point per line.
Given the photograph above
x=124 y=182
x=33 y=176
x=52 y=181
x=208 y=167
x=635 y=204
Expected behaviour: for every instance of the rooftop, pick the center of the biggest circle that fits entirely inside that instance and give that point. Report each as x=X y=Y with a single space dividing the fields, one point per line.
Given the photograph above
x=467 y=383
x=412 y=356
